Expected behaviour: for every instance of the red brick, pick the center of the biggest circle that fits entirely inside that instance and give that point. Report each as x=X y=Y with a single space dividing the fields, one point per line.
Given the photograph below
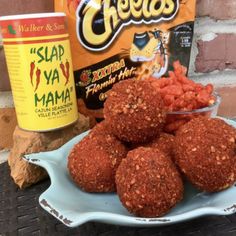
x=217 y=54
x=13 y=7
x=217 y=9
x=231 y=50
x=227 y=107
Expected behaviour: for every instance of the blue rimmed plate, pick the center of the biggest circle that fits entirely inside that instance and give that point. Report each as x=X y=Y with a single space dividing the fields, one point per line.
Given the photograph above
x=73 y=207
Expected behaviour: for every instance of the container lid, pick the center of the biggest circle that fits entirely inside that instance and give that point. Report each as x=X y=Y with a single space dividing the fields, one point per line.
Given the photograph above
x=35 y=15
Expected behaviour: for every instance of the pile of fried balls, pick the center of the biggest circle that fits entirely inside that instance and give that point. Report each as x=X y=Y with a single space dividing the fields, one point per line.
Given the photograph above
x=129 y=153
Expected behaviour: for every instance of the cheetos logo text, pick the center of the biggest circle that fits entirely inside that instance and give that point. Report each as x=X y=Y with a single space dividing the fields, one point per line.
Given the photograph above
x=100 y=21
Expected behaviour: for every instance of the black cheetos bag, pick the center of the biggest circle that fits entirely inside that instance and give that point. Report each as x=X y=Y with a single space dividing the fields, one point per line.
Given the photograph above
x=113 y=40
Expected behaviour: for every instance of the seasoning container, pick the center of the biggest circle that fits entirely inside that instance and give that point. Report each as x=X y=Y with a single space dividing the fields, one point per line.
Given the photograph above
x=38 y=56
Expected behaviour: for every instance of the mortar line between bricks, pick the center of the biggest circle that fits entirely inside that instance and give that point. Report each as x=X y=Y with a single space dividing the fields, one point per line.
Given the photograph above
x=6 y=100
x=218 y=78
x=206 y=25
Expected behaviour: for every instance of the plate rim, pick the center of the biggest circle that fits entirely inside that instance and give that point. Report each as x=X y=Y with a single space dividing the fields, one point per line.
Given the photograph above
x=119 y=219
x=113 y=218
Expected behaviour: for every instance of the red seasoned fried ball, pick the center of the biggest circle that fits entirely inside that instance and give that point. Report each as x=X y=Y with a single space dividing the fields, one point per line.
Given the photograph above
x=164 y=142
x=205 y=152
x=93 y=162
x=134 y=111
x=101 y=129
x=148 y=184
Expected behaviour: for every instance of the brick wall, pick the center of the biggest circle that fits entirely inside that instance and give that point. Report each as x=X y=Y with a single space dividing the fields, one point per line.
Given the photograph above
x=215 y=37
x=213 y=57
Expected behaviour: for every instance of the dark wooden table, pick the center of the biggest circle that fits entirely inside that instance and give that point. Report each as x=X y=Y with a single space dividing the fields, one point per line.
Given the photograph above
x=20 y=214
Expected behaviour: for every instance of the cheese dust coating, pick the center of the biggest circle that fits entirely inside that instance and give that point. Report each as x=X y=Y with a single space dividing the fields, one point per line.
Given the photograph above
x=148 y=184
x=205 y=151
x=92 y=162
x=134 y=111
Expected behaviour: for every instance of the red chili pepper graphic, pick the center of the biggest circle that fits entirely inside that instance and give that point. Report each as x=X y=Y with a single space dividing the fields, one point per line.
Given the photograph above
x=32 y=67
x=67 y=72
x=38 y=73
x=62 y=66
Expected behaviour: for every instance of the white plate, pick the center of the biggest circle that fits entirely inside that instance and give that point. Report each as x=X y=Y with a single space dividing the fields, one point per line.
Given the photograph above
x=73 y=207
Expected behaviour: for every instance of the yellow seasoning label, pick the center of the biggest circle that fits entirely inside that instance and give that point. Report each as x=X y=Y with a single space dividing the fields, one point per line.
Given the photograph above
x=42 y=81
